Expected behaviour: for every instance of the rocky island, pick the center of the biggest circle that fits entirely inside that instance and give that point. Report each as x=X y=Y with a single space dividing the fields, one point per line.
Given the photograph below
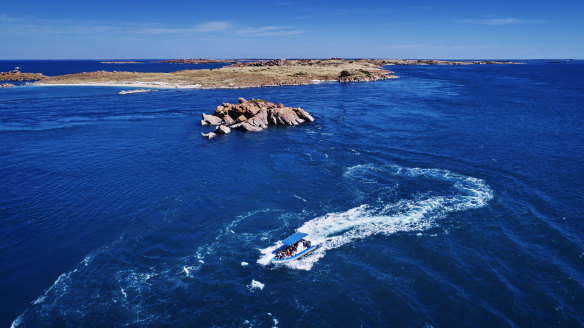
x=254 y=116
x=438 y=62
x=240 y=75
x=251 y=74
x=16 y=75
x=121 y=62
x=197 y=61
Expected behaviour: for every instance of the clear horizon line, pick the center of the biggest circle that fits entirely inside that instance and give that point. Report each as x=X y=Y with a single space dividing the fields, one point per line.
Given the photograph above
x=293 y=58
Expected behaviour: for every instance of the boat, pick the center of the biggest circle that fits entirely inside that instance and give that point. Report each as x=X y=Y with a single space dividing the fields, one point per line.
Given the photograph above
x=303 y=247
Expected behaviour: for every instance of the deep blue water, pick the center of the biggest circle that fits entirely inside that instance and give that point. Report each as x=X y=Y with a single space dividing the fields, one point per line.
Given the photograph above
x=450 y=197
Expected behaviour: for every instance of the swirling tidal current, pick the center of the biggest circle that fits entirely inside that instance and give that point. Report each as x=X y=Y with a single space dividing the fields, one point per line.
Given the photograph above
x=334 y=230
x=449 y=197
x=128 y=290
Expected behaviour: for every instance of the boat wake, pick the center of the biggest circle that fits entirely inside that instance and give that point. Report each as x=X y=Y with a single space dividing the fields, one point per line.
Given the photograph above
x=419 y=213
x=127 y=288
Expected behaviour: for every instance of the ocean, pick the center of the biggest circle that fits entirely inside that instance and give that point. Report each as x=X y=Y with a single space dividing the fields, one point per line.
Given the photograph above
x=450 y=197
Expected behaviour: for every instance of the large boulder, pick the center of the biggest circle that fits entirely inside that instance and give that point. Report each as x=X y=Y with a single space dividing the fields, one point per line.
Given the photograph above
x=228 y=120
x=288 y=116
x=219 y=110
x=222 y=129
x=245 y=126
x=209 y=135
x=211 y=120
x=260 y=119
x=252 y=110
x=304 y=114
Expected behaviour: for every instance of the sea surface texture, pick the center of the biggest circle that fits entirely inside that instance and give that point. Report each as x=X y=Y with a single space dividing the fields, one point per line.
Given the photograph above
x=451 y=197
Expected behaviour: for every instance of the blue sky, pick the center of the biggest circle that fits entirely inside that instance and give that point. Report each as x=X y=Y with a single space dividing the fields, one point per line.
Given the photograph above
x=291 y=28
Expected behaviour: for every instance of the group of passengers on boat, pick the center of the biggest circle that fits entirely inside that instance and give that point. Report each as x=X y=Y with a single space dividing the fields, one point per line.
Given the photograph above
x=292 y=249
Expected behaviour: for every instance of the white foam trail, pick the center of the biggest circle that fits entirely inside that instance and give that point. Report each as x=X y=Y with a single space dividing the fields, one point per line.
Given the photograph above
x=133 y=283
x=60 y=286
x=255 y=285
x=334 y=230
x=302 y=199
x=39 y=300
x=16 y=323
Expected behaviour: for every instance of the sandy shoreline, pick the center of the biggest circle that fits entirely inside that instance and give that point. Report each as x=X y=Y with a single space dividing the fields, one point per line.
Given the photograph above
x=270 y=73
x=250 y=75
x=164 y=85
x=157 y=85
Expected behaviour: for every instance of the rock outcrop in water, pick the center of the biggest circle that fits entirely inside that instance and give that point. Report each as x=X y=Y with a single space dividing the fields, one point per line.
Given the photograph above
x=197 y=61
x=17 y=75
x=209 y=135
x=256 y=63
x=222 y=129
x=436 y=62
x=254 y=115
x=121 y=62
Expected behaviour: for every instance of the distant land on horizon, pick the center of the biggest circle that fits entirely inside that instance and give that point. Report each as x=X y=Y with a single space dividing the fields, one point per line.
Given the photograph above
x=246 y=74
x=289 y=58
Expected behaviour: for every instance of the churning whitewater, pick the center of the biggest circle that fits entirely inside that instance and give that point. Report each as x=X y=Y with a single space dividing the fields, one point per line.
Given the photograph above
x=334 y=230
x=330 y=231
